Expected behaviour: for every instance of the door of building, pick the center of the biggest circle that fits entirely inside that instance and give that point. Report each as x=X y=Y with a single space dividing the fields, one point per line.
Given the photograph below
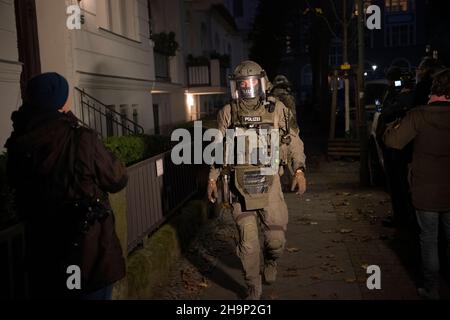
x=156 y=118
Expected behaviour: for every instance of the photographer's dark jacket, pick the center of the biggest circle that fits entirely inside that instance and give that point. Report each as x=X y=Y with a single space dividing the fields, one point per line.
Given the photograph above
x=429 y=126
x=38 y=168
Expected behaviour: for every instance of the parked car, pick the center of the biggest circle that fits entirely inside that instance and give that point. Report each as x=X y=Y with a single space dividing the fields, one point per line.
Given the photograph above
x=374 y=94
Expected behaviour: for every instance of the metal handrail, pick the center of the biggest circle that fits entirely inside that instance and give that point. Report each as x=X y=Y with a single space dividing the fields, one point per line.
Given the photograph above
x=95 y=106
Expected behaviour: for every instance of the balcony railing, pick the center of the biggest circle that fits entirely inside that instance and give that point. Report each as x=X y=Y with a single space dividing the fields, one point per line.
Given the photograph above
x=199 y=76
x=207 y=75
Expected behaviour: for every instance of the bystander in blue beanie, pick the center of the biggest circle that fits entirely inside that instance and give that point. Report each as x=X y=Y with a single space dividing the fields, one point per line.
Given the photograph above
x=47 y=92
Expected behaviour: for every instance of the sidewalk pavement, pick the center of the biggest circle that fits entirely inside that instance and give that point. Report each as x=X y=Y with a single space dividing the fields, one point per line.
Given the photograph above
x=334 y=234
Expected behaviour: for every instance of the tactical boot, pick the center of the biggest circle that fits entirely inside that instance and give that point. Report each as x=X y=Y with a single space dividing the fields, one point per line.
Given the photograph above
x=270 y=272
x=254 y=290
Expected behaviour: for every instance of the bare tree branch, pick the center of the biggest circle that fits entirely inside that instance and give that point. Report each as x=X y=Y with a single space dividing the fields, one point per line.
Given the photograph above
x=324 y=18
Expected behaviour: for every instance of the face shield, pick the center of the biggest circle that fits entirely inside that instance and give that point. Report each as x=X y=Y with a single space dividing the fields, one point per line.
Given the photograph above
x=248 y=87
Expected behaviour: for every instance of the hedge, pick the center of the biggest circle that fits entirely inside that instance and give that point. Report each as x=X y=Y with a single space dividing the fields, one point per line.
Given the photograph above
x=135 y=148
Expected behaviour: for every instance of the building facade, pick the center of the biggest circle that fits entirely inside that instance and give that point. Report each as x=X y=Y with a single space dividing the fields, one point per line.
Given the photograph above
x=122 y=79
x=110 y=58
x=10 y=69
x=214 y=46
x=401 y=41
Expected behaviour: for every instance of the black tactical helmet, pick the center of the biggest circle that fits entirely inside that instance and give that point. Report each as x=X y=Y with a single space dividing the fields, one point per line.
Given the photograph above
x=281 y=80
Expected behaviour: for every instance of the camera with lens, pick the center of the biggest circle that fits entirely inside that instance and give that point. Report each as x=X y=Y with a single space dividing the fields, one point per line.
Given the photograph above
x=407 y=80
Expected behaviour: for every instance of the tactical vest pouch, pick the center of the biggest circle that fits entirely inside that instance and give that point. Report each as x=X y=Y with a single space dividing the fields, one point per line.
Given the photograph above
x=253 y=186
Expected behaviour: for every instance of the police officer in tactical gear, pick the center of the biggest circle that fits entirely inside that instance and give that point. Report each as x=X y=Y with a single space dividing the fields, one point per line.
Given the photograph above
x=282 y=89
x=257 y=198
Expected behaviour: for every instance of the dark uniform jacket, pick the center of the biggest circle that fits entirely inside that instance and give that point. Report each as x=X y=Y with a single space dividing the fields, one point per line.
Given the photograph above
x=39 y=158
x=429 y=126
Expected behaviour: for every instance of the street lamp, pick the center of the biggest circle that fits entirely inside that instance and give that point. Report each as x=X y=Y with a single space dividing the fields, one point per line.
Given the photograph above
x=374 y=67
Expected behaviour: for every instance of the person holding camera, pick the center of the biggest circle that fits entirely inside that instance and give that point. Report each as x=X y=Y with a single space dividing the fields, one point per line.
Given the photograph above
x=62 y=173
x=429 y=129
x=403 y=95
x=396 y=102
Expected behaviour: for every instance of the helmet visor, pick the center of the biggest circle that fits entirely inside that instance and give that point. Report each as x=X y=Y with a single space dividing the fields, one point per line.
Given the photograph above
x=249 y=87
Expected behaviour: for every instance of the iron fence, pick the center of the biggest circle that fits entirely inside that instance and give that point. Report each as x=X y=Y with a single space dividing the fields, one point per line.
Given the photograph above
x=156 y=189
x=103 y=119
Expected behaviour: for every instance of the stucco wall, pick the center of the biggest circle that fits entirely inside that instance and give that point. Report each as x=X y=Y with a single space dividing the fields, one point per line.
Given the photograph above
x=117 y=69
x=10 y=69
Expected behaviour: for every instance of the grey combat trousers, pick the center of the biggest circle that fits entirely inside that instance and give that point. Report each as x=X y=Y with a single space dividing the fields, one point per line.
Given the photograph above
x=273 y=221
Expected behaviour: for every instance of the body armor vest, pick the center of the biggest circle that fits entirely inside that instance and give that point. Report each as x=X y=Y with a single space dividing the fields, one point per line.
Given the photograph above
x=249 y=172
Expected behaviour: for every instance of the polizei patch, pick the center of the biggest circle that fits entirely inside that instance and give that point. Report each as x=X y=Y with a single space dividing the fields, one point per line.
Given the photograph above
x=251 y=119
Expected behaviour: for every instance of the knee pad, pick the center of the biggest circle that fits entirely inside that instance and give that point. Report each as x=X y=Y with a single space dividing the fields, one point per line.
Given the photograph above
x=275 y=241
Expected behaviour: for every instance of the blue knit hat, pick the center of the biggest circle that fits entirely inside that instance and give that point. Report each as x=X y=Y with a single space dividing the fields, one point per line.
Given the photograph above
x=47 y=92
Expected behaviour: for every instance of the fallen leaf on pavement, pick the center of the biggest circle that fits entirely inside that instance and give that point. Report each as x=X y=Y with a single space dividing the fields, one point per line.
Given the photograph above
x=346 y=194
x=366 y=239
x=273 y=295
x=342 y=204
x=338 y=270
x=292 y=250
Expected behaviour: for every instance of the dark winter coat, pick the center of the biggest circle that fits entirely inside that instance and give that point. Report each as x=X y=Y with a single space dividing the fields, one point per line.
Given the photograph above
x=38 y=168
x=429 y=127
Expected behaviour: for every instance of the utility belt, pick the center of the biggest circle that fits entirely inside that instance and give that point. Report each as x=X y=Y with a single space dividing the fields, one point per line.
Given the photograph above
x=249 y=184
